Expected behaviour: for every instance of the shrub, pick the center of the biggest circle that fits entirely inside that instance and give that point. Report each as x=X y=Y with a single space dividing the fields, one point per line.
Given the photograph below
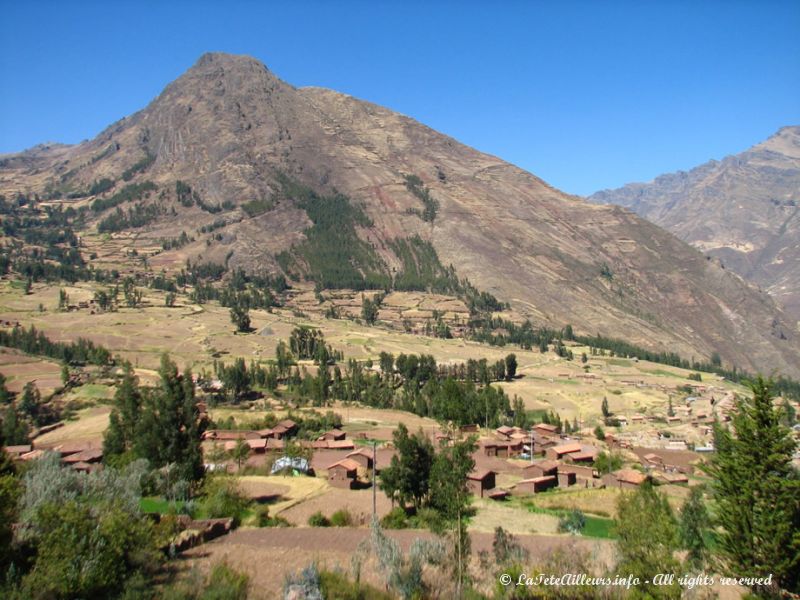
x=334 y=584
x=342 y=518
x=395 y=519
x=573 y=522
x=223 y=499
x=319 y=520
x=263 y=518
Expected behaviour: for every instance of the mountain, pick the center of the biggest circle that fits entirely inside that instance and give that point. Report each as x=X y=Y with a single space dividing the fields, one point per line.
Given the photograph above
x=743 y=210
x=322 y=186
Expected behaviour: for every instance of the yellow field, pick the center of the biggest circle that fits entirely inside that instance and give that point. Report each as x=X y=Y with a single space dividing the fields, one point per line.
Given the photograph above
x=197 y=335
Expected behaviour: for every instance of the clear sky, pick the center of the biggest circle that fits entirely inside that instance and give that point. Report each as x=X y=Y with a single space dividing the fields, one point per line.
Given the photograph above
x=587 y=95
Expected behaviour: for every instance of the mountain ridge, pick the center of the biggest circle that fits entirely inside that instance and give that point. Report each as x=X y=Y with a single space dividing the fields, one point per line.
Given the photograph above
x=742 y=209
x=229 y=128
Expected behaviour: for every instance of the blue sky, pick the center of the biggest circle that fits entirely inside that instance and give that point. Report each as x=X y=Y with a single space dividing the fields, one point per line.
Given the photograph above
x=586 y=95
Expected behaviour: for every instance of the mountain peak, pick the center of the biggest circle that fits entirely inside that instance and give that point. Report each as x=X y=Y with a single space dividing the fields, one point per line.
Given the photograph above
x=328 y=189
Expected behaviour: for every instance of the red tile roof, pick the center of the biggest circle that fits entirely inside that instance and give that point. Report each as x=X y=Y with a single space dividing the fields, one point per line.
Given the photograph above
x=346 y=463
x=480 y=475
x=630 y=476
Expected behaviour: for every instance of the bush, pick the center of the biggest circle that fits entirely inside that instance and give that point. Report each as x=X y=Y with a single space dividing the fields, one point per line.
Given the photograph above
x=223 y=499
x=395 y=519
x=263 y=518
x=223 y=583
x=342 y=518
x=573 y=522
x=319 y=520
x=334 y=584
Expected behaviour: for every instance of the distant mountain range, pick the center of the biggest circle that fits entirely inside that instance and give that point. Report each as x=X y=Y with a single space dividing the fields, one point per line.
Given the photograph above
x=743 y=210
x=334 y=191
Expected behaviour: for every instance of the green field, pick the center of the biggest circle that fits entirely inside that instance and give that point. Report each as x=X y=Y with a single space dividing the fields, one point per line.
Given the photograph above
x=596 y=527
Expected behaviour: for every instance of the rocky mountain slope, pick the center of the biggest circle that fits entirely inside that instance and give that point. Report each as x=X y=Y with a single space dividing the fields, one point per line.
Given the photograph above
x=229 y=154
x=744 y=210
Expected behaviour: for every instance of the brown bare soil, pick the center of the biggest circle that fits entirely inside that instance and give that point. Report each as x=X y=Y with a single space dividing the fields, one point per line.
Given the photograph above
x=268 y=555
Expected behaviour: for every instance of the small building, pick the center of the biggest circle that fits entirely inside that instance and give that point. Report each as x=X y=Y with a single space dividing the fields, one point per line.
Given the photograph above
x=546 y=429
x=535 y=485
x=673 y=478
x=333 y=434
x=343 y=473
x=540 y=469
x=363 y=457
x=274 y=445
x=479 y=482
x=224 y=435
x=559 y=452
x=653 y=459
x=582 y=472
x=257 y=446
x=587 y=454
x=504 y=432
x=341 y=444
x=288 y=425
x=498 y=494
x=502 y=449
x=565 y=478
x=625 y=479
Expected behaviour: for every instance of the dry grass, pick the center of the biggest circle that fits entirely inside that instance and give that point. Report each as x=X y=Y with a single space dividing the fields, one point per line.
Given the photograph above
x=598 y=501
x=298 y=489
x=89 y=427
x=20 y=368
x=195 y=335
x=492 y=514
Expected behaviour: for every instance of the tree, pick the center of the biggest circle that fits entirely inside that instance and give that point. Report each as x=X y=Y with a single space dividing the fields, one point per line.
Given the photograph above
x=9 y=494
x=283 y=358
x=240 y=316
x=450 y=496
x=168 y=432
x=604 y=408
x=63 y=299
x=756 y=491
x=5 y=395
x=694 y=522
x=64 y=374
x=648 y=539
x=369 y=309
x=236 y=379
x=605 y=463
x=789 y=413
x=599 y=433
x=407 y=477
x=15 y=430
x=240 y=453
x=511 y=366
x=121 y=434
x=520 y=414
x=169 y=299
x=31 y=403
x=87 y=531
x=133 y=296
